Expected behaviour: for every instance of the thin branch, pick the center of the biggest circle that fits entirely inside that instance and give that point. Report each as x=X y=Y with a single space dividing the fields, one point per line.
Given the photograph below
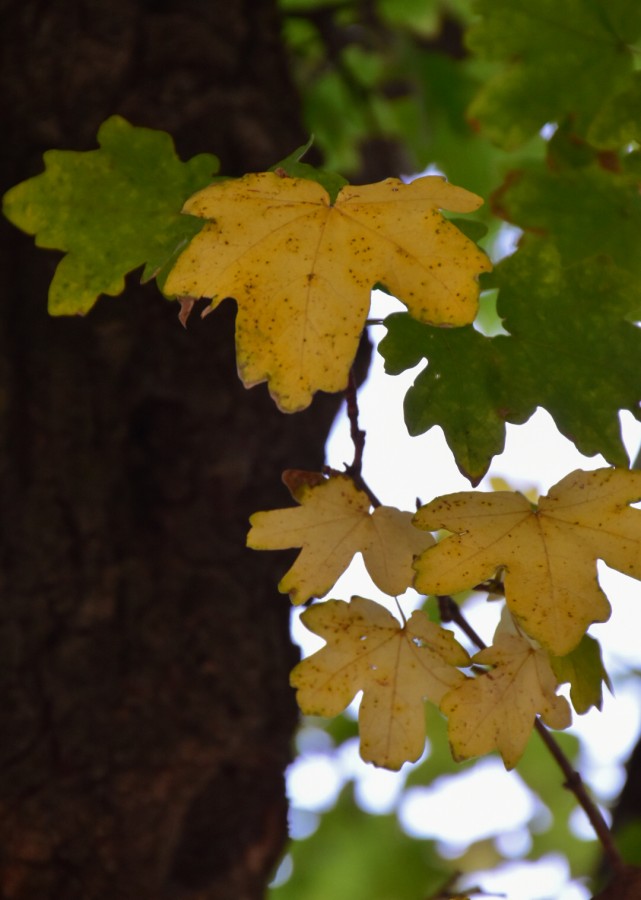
x=357 y=434
x=450 y=612
x=574 y=783
x=354 y=470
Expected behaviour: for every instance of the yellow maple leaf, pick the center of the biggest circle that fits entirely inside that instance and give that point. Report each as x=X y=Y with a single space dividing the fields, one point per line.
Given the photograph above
x=333 y=523
x=396 y=667
x=301 y=269
x=548 y=552
x=496 y=710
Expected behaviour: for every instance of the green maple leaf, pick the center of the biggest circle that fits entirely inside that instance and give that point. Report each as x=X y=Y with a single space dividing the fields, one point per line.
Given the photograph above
x=473 y=384
x=112 y=210
x=586 y=212
x=571 y=59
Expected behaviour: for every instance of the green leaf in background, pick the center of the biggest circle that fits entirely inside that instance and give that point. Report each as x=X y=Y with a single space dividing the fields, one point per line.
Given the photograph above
x=568 y=59
x=617 y=123
x=584 y=670
x=629 y=842
x=430 y=117
x=439 y=760
x=564 y=329
x=112 y=210
x=418 y=16
x=586 y=211
x=551 y=829
x=348 y=84
x=356 y=855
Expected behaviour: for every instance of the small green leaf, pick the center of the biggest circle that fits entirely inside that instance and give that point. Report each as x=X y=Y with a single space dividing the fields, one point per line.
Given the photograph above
x=112 y=210
x=292 y=165
x=583 y=668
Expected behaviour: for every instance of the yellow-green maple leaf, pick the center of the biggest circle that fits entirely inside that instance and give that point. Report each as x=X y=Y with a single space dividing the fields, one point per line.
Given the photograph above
x=333 y=523
x=496 y=710
x=301 y=269
x=548 y=552
x=397 y=668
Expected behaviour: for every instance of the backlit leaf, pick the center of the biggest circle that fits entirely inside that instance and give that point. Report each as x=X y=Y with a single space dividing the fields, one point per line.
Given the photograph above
x=332 y=523
x=583 y=668
x=548 y=552
x=496 y=709
x=397 y=668
x=301 y=269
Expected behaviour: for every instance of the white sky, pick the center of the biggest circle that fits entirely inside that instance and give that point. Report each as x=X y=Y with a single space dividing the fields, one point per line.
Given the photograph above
x=399 y=469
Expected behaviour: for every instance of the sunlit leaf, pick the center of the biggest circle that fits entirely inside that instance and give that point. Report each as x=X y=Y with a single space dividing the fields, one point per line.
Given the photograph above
x=397 y=668
x=548 y=552
x=583 y=668
x=302 y=269
x=332 y=523
x=496 y=710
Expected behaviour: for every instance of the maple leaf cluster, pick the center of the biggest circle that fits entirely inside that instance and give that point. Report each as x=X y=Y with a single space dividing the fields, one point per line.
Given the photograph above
x=300 y=256
x=547 y=556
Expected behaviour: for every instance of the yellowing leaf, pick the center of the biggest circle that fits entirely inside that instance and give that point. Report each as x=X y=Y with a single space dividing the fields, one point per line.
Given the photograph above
x=497 y=709
x=333 y=523
x=395 y=667
x=301 y=269
x=549 y=553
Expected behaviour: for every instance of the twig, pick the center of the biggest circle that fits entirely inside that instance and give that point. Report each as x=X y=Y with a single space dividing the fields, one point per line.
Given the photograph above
x=574 y=782
x=354 y=470
x=450 y=612
x=357 y=434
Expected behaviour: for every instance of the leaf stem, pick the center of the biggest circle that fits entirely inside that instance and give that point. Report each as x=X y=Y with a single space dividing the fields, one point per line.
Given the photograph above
x=450 y=612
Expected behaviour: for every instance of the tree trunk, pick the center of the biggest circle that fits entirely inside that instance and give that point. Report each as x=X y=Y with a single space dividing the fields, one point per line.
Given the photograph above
x=146 y=717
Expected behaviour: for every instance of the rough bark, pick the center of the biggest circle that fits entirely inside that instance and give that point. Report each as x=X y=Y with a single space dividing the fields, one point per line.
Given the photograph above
x=145 y=713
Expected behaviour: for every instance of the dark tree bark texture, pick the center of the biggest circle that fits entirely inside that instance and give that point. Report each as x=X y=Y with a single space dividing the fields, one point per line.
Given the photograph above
x=145 y=713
